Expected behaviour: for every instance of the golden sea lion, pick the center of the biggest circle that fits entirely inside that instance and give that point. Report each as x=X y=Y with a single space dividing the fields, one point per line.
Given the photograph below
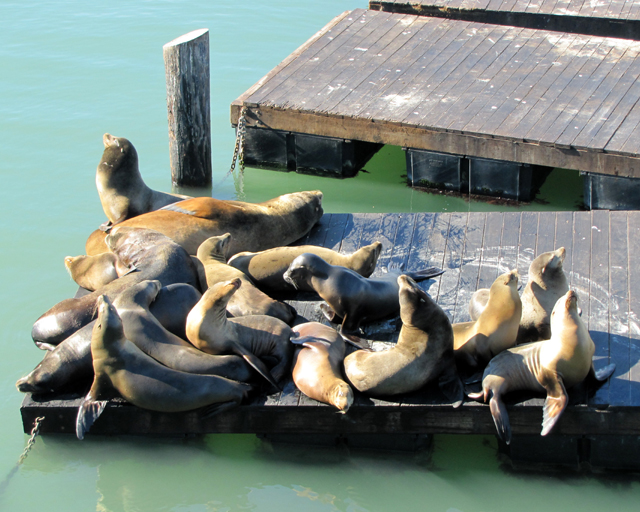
x=266 y=268
x=317 y=365
x=94 y=272
x=122 y=191
x=351 y=297
x=253 y=227
x=256 y=337
x=475 y=343
x=550 y=366
x=119 y=366
x=424 y=351
x=248 y=300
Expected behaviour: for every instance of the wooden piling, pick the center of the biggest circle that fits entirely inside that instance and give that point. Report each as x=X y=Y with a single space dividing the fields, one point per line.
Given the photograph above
x=186 y=61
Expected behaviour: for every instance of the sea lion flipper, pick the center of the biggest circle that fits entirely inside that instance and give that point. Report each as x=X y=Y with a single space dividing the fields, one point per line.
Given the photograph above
x=257 y=364
x=355 y=341
x=329 y=313
x=306 y=341
x=500 y=418
x=88 y=413
x=44 y=346
x=555 y=403
x=603 y=373
x=425 y=273
x=451 y=386
x=213 y=409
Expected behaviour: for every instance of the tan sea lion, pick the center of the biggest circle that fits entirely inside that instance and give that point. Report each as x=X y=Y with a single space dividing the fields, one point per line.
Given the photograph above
x=475 y=343
x=550 y=366
x=154 y=255
x=143 y=329
x=424 y=351
x=253 y=227
x=121 y=366
x=256 y=337
x=266 y=268
x=122 y=191
x=547 y=283
x=351 y=297
x=317 y=365
x=68 y=364
x=94 y=272
x=248 y=300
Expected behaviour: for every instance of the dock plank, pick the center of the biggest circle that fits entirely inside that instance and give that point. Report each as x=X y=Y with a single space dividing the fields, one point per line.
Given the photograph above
x=471 y=258
x=634 y=307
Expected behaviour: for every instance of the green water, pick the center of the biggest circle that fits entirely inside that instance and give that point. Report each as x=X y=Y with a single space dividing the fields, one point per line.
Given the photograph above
x=71 y=71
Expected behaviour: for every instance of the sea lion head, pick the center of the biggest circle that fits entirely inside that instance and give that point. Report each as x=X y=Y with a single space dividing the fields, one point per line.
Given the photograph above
x=547 y=266
x=218 y=296
x=365 y=259
x=119 y=155
x=341 y=397
x=303 y=267
x=565 y=306
x=416 y=306
x=215 y=248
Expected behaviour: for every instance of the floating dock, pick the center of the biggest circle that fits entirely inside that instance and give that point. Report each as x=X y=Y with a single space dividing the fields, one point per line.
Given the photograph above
x=600 y=426
x=611 y=18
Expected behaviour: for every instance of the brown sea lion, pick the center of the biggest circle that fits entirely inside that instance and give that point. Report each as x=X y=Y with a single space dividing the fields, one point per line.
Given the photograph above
x=248 y=300
x=266 y=268
x=424 y=351
x=122 y=191
x=550 y=366
x=547 y=283
x=154 y=256
x=351 y=297
x=256 y=338
x=145 y=330
x=475 y=343
x=68 y=364
x=121 y=366
x=317 y=365
x=94 y=272
x=253 y=227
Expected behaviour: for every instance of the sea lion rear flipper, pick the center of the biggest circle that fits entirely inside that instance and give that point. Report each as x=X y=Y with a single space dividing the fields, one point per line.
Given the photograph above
x=555 y=403
x=425 y=273
x=357 y=342
x=329 y=313
x=451 y=385
x=603 y=373
x=306 y=341
x=88 y=413
x=257 y=365
x=213 y=409
x=44 y=346
x=500 y=418
x=106 y=226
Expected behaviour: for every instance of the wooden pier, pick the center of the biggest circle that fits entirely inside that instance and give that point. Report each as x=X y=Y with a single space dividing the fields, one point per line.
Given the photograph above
x=611 y=18
x=602 y=253
x=463 y=88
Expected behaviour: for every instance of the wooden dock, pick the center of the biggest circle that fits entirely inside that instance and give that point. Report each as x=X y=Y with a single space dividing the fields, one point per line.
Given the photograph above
x=602 y=253
x=610 y=18
x=480 y=90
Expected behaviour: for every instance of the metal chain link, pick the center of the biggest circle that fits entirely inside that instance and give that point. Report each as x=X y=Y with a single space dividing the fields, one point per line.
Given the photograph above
x=238 y=152
x=34 y=433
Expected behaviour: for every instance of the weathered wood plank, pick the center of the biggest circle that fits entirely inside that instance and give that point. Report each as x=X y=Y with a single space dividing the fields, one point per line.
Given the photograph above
x=471 y=260
x=527 y=244
x=490 y=250
x=452 y=263
x=546 y=232
x=634 y=307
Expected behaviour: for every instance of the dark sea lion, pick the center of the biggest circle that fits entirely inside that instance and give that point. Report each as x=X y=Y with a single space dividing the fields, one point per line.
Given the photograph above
x=121 y=366
x=122 y=191
x=154 y=256
x=547 y=283
x=248 y=300
x=475 y=343
x=256 y=338
x=253 y=227
x=424 y=351
x=317 y=365
x=549 y=366
x=353 y=298
x=143 y=329
x=94 y=272
x=69 y=363
x=266 y=268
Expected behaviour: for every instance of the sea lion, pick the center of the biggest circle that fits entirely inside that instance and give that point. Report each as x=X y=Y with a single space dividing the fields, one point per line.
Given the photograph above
x=253 y=227
x=143 y=329
x=253 y=337
x=69 y=363
x=351 y=297
x=475 y=343
x=478 y=303
x=93 y=272
x=317 y=365
x=122 y=191
x=121 y=366
x=248 y=300
x=154 y=256
x=424 y=351
x=550 y=366
x=266 y=268
x=547 y=283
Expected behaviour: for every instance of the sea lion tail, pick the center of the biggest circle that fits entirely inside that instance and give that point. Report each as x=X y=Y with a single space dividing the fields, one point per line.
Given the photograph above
x=500 y=418
x=88 y=413
x=425 y=273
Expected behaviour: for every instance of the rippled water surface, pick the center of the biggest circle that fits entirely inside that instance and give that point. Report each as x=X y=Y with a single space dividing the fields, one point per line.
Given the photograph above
x=72 y=71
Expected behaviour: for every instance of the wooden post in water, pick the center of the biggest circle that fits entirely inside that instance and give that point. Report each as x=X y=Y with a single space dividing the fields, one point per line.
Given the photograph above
x=186 y=62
